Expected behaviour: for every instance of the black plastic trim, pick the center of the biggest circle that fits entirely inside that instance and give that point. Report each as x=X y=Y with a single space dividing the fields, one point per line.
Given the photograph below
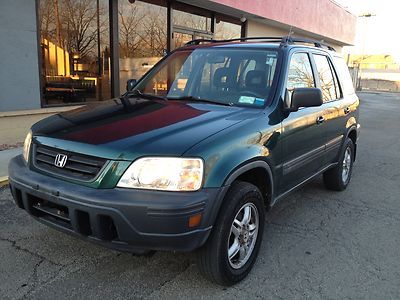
x=247 y=166
x=284 y=194
x=303 y=159
x=143 y=219
x=334 y=143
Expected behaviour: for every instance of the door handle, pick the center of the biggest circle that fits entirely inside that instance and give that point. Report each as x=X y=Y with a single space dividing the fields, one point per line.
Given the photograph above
x=320 y=119
x=347 y=110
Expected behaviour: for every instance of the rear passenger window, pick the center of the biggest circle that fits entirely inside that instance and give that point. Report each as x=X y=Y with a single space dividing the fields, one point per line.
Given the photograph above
x=344 y=75
x=329 y=83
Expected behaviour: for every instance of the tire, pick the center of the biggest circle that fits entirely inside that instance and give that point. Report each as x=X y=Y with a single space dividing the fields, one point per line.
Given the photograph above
x=212 y=258
x=335 y=179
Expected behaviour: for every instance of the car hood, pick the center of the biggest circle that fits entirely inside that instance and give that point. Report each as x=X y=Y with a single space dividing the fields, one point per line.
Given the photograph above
x=129 y=128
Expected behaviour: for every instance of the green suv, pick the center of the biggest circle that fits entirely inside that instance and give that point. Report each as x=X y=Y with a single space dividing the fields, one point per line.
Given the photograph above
x=196 y=151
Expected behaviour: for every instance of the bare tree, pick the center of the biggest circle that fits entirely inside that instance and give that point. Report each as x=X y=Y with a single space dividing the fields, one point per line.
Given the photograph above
x=191 y=21
x=327 y=85
x=46 y=19
x=142 y=30
x=225 y=30
x=129 y=38
x=299 y=76
x=154 y=39
x=80 y=26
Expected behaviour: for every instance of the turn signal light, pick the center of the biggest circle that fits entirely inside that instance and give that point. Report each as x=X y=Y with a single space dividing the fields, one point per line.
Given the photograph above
x=195 y=220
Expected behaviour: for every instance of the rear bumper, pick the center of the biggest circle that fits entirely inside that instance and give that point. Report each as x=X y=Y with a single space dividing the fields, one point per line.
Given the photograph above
x=122 y=219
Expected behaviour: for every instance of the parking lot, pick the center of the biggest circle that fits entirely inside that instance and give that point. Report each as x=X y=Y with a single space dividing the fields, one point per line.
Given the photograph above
x=317 y=243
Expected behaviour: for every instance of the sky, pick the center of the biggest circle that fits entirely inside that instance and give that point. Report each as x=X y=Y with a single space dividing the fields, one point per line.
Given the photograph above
x=377 y=34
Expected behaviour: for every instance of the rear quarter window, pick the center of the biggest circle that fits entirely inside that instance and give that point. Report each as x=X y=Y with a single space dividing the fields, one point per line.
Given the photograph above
x=344 y=76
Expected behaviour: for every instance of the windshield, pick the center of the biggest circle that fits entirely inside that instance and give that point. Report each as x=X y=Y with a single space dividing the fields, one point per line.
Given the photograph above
x=227 y=76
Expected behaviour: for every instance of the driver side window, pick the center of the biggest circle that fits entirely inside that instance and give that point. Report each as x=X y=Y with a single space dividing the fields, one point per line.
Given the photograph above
x=300 y=74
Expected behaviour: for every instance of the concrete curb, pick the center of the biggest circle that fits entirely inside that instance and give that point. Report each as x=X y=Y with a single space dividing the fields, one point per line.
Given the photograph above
x=376 y=92
x=3 y=181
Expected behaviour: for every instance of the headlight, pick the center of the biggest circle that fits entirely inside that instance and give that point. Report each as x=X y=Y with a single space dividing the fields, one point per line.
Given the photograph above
x=164 y=173
x=27 y=146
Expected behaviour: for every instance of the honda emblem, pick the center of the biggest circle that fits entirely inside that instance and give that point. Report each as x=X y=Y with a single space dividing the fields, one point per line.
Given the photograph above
x=60 y=160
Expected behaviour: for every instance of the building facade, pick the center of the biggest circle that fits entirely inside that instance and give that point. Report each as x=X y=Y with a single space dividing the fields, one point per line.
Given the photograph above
x=68 y=52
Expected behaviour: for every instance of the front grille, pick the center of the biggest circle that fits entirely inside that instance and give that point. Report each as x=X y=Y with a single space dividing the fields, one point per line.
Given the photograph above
x=78 y=166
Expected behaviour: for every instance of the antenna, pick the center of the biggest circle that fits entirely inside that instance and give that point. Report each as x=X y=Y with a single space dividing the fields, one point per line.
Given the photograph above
x=291 y=27
x=290 y=31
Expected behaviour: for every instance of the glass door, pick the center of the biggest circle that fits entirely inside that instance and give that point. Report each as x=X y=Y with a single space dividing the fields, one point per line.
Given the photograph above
x=142 y=38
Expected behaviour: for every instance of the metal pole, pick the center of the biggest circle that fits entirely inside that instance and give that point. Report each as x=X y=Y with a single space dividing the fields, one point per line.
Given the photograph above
x=42 y=66
x=367 y=15
x=114 y=47
x=99 y=79
x=98 y=38
x=243 y=29
x=170 y=37
x=213 y=24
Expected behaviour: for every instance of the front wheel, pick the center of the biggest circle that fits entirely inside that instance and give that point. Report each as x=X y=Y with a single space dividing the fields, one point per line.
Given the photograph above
x=339 y=177
x=232 y=248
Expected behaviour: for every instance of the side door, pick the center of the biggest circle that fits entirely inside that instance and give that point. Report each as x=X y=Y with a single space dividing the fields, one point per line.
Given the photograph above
x=334 y=111
x=303 y=137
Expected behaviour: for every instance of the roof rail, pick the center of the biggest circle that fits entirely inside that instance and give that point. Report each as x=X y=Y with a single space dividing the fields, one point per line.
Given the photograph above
x=283 y=40
x=316 y=43
x=242 y=39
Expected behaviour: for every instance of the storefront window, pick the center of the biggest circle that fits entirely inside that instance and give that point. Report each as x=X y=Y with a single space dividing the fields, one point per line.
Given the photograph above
x=180 y=39
x=225 y=30
x=192 y=21
x=75 y=43
x=74 y=40
x=142 y=38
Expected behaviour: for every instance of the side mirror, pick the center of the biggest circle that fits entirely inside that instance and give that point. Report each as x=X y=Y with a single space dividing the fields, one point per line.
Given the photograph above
x=130 y=84
x=305 y=97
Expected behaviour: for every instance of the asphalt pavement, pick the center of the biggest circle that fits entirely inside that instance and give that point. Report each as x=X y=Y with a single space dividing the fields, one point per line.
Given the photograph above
x=318 y=244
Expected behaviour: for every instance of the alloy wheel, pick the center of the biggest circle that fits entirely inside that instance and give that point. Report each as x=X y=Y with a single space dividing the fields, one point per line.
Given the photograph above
x=346 y=165
x=243 y=235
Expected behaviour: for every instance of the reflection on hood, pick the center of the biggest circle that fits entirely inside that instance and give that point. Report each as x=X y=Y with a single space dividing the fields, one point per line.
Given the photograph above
x=134 y=127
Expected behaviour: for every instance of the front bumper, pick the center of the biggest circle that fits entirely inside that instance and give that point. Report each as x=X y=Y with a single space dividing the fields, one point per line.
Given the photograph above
x=122 y=219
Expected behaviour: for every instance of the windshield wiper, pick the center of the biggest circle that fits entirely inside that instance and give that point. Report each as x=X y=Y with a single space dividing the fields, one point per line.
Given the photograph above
x=138 y=93
x=195 y=99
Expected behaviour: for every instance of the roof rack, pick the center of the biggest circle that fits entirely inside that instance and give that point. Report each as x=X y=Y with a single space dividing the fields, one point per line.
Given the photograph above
x=316 y=43
x=283 y=40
